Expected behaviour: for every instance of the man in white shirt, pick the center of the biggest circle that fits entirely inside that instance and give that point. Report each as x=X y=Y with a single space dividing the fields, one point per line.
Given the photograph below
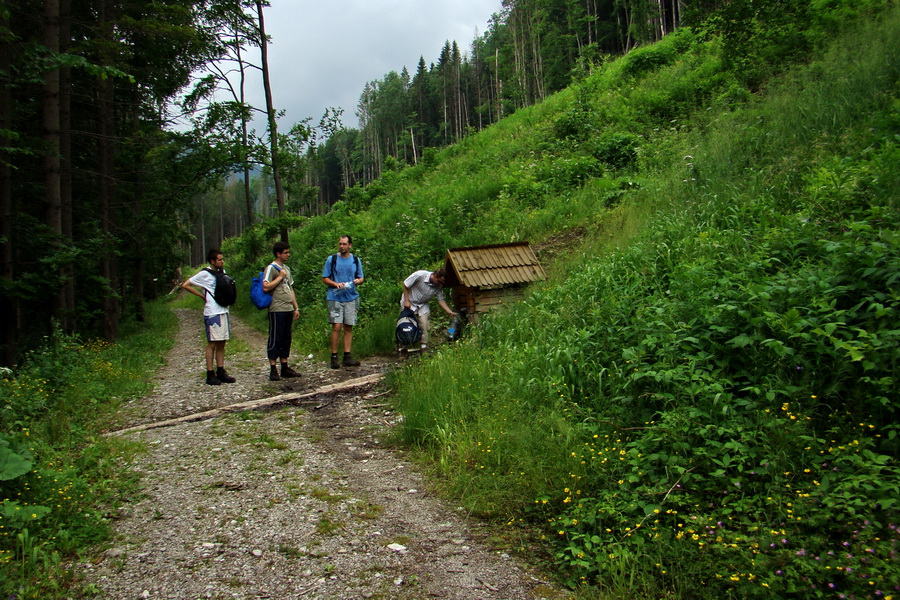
x=215 y=318
x=418 y=290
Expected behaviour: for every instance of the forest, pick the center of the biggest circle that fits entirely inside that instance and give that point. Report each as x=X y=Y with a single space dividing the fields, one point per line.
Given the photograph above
x=700 y=400
x=95 y=176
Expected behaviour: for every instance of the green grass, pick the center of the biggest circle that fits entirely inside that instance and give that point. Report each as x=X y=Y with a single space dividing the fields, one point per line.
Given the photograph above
x=71 y=477
x=687 y=406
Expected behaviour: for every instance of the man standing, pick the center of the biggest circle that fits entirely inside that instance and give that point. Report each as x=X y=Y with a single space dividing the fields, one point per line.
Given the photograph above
x=283 y=311
x=418 y=289
x=215 y=318
x=342 y=273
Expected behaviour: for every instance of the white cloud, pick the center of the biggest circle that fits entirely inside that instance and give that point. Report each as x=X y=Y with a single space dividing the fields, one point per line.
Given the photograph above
x=324 y=52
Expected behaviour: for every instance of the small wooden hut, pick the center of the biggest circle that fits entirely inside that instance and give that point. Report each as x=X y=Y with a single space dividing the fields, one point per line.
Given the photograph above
x=484 y=277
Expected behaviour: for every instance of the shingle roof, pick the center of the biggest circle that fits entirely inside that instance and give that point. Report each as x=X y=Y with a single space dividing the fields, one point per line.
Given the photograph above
x=492 y=266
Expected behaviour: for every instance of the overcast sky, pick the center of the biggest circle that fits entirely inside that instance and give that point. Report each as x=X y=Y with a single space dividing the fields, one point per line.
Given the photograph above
x=323 y=52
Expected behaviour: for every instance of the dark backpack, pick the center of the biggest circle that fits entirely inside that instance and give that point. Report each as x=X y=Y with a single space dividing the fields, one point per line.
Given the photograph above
x=334 y=260
x=408 y=332
x=226 y=288
x=259 y=297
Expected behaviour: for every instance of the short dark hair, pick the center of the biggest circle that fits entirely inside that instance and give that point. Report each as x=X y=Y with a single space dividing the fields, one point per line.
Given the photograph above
x=349 y=239
x=213 y=254
x=280 y=247
x=442 y=272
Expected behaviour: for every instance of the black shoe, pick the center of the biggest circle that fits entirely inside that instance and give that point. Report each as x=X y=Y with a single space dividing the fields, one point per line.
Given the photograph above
x=273 y=374
x=223 y=376
x=348 y=360
x=211 y=378
x=288 y=372
x=334 y=362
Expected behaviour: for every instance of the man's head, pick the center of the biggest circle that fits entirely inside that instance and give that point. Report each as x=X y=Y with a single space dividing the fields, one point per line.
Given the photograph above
x=281 y=250
x=345 y=242
x=215 y=258
x=438 y=276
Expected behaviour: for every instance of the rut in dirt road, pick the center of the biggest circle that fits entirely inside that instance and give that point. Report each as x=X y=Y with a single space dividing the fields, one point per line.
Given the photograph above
x=290 y=502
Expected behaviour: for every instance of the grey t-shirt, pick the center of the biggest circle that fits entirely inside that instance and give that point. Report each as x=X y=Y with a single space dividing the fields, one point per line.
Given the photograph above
x=283 y=295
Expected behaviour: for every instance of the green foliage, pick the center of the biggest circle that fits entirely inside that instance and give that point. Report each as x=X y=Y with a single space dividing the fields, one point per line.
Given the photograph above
x=58 y=478
x=710 y=409
x=14 y=462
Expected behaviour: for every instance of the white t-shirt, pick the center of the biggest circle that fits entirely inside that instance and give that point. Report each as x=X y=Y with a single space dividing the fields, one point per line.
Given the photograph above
x=207 y=281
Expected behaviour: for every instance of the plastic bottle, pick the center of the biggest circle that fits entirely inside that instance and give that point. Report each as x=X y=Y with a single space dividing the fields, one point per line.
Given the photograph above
x=454 y=327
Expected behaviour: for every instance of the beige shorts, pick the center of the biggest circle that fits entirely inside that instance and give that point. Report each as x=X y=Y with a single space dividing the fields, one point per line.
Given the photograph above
x=343 y=312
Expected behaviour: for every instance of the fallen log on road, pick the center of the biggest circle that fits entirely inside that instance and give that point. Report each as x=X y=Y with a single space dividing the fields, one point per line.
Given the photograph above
x=256 y=404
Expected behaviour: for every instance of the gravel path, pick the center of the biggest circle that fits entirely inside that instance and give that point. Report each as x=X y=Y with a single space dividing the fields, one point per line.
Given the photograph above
x=303 y=501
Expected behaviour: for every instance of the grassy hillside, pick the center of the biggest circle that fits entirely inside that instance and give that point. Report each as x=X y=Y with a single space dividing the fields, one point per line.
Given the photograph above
x=702 y=399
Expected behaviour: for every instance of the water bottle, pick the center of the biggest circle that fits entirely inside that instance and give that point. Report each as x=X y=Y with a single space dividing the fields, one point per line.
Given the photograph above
x=454 y=327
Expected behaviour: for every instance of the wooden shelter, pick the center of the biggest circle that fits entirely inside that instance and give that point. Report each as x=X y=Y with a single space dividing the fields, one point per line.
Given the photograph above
x=484 y=277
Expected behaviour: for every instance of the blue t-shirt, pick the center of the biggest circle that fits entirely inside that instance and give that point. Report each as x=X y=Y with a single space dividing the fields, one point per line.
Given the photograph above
x=345 y=269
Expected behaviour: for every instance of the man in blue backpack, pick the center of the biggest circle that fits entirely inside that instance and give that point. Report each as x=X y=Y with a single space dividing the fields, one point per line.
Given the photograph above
x=283 y=311
x=215 y=318
x=342 y=273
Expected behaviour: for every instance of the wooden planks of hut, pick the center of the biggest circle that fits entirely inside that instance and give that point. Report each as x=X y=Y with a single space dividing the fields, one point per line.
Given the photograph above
x=484 y=277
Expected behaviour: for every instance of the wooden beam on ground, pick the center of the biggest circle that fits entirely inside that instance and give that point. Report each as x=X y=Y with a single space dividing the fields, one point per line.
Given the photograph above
x=257 y=404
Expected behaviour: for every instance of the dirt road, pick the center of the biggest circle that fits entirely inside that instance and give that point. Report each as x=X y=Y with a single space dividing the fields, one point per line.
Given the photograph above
x=300 y=501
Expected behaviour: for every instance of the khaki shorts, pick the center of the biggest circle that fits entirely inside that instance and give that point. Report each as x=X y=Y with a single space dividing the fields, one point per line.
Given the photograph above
x=343 y=312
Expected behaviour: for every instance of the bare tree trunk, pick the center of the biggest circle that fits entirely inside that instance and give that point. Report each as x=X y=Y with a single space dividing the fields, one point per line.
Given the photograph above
x=499 y=89
x=8 y=304
x=106 y=192
x=65 y=148
x=270 y=110
x=244 y=134
x=50 y=126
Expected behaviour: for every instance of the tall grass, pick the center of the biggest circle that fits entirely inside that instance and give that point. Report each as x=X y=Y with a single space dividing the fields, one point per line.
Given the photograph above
x=61 y=479
x=710 y=409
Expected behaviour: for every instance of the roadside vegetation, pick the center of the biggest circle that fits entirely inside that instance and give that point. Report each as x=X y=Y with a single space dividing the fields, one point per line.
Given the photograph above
x=60 y=480
x=700 y=401
x=710 y=409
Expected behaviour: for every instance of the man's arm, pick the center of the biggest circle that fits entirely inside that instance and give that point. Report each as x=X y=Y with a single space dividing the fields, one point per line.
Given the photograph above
x=405 y=295
x=269 y=286
x=296 y=306
x=187 y=285
x=446 y=308
x=332 y=283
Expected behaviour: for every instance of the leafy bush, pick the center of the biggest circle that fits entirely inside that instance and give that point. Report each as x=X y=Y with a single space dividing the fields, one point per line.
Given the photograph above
x=56 y=474
x=709 y=410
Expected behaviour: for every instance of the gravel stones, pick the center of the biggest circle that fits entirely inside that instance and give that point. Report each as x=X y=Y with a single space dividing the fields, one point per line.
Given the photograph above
x=298 y=502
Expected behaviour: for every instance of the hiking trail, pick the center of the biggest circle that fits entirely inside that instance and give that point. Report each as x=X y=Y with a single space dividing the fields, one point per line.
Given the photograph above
x=286 y=490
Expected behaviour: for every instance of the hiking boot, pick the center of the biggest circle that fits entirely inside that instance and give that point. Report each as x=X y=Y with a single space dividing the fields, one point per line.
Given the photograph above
x=273 y=374
x=288 y=372
x=334 y=362
x=348 y=360
x=211 y=378
x=223 y=376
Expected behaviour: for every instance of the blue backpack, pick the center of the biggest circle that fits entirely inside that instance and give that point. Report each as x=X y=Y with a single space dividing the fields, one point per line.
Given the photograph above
x=258 y=296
